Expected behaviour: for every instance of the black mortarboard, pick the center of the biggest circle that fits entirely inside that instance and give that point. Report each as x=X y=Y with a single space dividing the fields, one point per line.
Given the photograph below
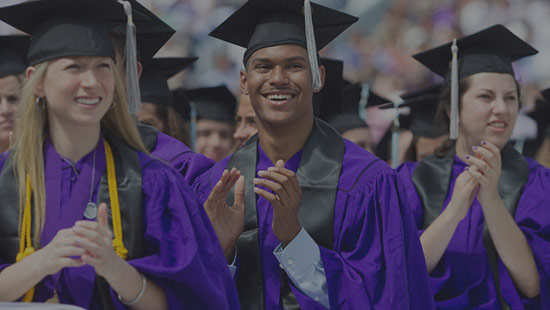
x=66 y=28
x=153 y=83
x=327 y=101
x=490 y=50
x=13 y=54
x=182 y=103
x=151 y=34
x=214 y=103
x=264 y=23
x=350 y=108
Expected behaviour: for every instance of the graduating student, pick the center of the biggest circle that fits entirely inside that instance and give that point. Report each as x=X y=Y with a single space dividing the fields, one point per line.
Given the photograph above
x=246 y=122
x=157 y=101
x=481 y=208
x=325 y=225
x=13 y=52
x=215 y=120
x=79 y=158
x=420 y=119
x=152 y=34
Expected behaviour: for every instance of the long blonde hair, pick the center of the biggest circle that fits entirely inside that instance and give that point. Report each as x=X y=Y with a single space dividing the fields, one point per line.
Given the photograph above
x=29 y=133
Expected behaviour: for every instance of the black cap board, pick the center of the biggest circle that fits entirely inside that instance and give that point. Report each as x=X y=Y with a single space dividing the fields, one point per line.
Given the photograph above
x=151 y=34
x=490 y=50
x=67 y=28
x=214 y=103
x=153 y=83
x=13 y=54
x=264 y=23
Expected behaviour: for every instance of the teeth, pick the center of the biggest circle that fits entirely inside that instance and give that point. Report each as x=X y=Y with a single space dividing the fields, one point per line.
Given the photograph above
x=279 y=97
x=88 y=101
x=498 y=125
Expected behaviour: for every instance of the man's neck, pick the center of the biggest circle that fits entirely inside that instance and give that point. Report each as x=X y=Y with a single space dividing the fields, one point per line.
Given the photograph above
x=283 y=141
x=73 y=142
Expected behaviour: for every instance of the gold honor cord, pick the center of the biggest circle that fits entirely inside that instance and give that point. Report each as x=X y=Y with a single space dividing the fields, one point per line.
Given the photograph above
x=25 y=245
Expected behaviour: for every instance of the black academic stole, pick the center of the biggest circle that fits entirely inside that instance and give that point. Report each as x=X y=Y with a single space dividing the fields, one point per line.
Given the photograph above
x=128 y=177
x=433 y=175
x=318 y=175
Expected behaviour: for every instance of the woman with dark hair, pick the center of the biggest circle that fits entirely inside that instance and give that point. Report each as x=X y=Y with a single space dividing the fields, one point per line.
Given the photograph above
x=13 y=53
x=480 y=207
x=88 y=217
x=157 y=102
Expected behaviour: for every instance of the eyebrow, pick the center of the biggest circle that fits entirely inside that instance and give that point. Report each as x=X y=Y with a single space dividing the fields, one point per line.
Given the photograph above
x=289 y=59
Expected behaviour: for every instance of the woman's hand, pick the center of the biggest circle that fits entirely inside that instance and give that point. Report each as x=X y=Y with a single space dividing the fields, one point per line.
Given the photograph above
x=97 y=241
x=60 y=252
x=463 y=194
x=486 y=168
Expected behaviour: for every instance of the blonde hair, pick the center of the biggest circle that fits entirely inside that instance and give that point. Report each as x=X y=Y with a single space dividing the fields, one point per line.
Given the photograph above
x=29 y=141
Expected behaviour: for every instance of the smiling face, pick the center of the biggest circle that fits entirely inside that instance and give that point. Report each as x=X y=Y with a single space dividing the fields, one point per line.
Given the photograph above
x=78 y=90
x=489 y=109
x=9 y=94
x=278 y=82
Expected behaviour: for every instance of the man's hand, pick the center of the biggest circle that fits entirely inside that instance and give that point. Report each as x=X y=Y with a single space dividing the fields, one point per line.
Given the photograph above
x=228 y=221
x=285 y=201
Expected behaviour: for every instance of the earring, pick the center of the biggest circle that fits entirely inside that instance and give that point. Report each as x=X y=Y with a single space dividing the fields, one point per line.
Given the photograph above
x=40 y=103
x=114 y=103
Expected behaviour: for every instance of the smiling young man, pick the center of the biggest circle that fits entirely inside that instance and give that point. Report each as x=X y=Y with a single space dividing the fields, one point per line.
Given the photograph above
x=324 y=224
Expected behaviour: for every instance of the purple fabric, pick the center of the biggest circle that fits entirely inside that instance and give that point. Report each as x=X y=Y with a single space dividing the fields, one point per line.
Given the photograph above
x=182 y=251
x=181 y=157
x=463 y=278
x=377 y=261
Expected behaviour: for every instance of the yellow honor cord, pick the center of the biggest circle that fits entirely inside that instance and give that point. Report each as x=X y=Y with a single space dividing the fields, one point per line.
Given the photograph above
x=25 y=244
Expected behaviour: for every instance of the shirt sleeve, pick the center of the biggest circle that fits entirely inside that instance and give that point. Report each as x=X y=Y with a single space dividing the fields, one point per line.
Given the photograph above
x=301 y=260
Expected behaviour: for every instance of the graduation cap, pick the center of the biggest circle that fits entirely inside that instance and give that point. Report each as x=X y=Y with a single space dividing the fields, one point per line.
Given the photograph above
x=13 y=54
x=490 y=50
x=151 y=34
x=265 y=23
x=69 y=28
x=214 y=103
x=355 y=98
x=422 y=107
x=153 y=83
x=182 y=103
x=327 y=101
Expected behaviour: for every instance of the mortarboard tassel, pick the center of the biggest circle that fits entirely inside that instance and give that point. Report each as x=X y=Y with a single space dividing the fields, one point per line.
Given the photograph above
x=132 y=78
x=193 y=125
x=312 y=47
x=365 y=91
x=395 y=127
x=454 y=92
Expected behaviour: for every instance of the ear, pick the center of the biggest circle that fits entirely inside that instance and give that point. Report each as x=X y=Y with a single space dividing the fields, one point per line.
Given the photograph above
x=322 y=72
x=244 y=82
x=39 y=90
x=139 y=69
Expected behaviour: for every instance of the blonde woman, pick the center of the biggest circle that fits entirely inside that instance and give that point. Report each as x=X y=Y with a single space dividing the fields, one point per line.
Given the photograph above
x=88 y=218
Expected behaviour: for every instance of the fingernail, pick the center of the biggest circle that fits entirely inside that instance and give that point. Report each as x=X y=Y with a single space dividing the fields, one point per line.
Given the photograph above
x=255 y=180
x=466 y=168
x=467 y=156
x=270 y=168
x=483 y=143
x=261 y=172
x=474 y=148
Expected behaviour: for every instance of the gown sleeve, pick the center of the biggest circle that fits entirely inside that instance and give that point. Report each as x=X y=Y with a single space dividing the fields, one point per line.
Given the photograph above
x=183 y=254
x=377 y=259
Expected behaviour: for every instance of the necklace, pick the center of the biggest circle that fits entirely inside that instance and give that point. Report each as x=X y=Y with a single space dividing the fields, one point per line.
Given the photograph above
x=91 y=208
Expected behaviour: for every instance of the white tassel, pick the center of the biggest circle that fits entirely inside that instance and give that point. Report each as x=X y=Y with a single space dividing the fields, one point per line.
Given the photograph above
x=132 y=78
x=454 y=92
x=312 y=47
x=365 y=92
x=395 y=128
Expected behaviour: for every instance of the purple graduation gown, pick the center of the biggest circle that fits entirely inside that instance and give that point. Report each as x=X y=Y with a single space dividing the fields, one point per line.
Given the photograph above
x=183 y=254
x=180 y=157
x=377 y=261
x=463 y=279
